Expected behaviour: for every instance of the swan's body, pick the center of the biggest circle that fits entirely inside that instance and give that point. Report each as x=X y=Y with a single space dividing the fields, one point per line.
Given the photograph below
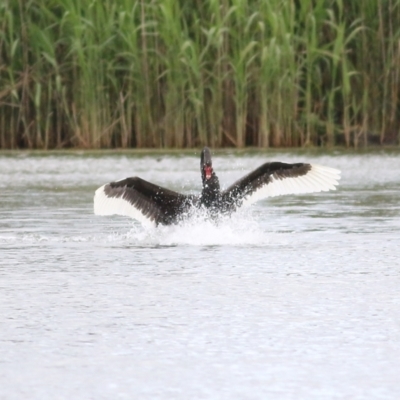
x=146 y=202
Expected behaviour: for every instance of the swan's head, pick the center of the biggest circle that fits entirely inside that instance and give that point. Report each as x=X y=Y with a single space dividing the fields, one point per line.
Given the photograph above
x=206 y=164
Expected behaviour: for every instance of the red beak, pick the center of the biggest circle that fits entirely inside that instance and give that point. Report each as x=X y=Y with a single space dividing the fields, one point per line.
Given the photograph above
x=208 y=171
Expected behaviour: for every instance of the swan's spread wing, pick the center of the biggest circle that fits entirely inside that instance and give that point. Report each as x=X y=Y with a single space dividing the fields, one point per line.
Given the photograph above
x=141 y=200
x=276 y=179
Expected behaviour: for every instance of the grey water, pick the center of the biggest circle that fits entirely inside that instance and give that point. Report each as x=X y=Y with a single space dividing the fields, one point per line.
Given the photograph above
x=297 y=297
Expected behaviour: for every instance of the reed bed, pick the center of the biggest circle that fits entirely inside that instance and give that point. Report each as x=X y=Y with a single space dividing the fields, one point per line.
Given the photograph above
x=178 y=73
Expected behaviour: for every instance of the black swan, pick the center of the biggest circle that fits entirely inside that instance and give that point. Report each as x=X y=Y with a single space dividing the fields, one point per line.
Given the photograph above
x=146 y=202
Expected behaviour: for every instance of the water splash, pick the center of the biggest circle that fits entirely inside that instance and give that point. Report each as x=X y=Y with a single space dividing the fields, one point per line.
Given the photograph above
x=243 y=228
x=240 y=229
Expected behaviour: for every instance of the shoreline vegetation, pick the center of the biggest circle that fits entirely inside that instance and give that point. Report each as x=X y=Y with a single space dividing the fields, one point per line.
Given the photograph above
x=99 y=74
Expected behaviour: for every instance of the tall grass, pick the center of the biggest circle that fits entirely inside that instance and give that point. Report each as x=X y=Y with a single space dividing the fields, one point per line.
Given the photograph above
x=175 y=73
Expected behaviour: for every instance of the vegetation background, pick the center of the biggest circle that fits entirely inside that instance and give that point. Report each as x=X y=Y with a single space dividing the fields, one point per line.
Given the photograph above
x=183 y=73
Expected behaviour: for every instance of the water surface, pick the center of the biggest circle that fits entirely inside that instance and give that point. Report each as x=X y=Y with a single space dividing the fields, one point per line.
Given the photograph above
x=296 y=297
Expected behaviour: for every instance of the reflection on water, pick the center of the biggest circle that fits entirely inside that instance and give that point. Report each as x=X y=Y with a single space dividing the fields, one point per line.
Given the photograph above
x=295 y=298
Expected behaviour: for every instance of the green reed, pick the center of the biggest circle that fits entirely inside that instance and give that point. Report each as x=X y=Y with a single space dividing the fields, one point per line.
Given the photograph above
x=169 y=73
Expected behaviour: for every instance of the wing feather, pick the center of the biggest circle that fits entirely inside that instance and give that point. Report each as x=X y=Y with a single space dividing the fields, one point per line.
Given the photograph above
x=276 y=179
x=141 y=200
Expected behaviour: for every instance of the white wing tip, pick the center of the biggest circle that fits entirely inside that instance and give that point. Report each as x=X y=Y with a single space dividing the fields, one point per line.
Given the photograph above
x=326 y=178
x=101 y=203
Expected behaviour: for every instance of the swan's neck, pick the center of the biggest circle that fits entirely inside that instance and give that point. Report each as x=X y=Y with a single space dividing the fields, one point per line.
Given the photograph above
x=211 y=194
